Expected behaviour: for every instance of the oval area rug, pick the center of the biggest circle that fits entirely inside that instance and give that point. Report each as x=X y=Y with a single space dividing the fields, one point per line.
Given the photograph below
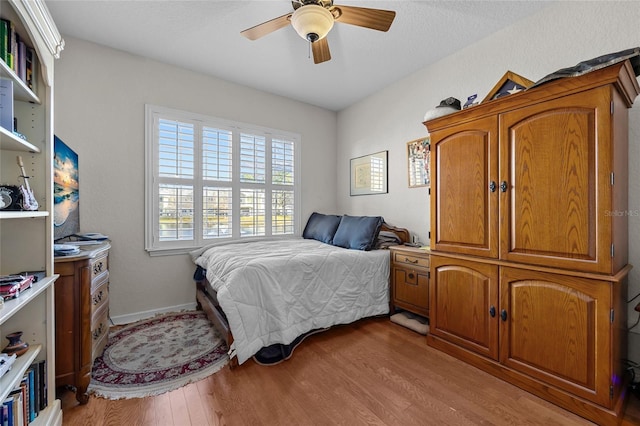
x=158 y=355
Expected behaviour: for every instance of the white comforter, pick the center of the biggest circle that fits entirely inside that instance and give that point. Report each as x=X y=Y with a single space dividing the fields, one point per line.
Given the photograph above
x=273 y=291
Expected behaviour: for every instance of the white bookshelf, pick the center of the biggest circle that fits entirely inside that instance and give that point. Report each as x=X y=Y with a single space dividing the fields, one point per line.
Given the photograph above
x=26 y=237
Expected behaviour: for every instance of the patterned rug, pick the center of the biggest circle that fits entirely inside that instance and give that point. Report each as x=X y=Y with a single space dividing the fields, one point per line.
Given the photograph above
x=158 y=355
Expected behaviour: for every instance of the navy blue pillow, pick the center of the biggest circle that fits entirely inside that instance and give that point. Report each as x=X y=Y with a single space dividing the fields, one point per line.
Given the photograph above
x=321 y=227
x=358 y=232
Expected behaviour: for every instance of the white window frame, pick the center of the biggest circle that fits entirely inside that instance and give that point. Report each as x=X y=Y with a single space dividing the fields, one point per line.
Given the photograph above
x=153 y=245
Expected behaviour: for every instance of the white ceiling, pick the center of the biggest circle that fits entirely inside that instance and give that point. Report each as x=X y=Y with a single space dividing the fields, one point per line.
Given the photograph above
x=204 y=36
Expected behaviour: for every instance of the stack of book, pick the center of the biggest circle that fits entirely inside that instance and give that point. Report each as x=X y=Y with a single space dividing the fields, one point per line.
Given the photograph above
x=25 y=401
x=19 y=57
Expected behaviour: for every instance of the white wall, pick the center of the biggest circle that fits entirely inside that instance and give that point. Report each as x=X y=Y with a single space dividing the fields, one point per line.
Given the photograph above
x=559 y=36
x=100 y=95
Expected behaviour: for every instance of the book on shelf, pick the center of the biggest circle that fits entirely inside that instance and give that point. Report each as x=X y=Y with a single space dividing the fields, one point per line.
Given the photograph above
x=4 y=39
x=12 y=46
x=8 y=34
x=42 y=389
x=18 y=407
x=31 y=406
x=4 y=415
x=8 y=405
x=21 y=59
x=31 y=65
x=24 y=390
x=6 y=104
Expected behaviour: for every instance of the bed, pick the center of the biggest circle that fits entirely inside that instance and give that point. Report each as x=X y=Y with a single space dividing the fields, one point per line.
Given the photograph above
x=265 y=296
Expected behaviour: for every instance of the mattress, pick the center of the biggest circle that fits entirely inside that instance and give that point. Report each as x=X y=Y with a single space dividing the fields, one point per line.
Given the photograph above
x=274 y=291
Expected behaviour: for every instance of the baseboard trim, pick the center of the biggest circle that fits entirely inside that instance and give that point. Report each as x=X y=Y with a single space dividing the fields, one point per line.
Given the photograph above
x=137 y=316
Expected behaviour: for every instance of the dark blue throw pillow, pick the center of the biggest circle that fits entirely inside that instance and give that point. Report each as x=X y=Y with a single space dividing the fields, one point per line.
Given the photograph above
x=358 y=232
x=321 y=227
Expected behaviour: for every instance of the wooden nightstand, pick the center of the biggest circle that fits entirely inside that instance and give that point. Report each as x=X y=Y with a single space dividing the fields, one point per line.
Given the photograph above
x=410 y=279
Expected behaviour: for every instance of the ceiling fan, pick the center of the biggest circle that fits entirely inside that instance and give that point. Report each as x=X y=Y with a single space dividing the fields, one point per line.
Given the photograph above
x=313 y=19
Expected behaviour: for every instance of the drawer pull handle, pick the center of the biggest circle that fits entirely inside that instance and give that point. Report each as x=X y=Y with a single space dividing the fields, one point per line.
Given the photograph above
x=411 y=275
x=406 y=259
x=98 y=331
x=97 y=298
x=503 y=315
x=97 y=268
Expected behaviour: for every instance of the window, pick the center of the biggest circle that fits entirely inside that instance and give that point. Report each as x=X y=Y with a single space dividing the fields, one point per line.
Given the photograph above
x=209 y=179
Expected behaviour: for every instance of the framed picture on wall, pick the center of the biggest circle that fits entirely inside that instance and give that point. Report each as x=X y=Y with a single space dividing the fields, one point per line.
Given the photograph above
x=419 y=155
x=369 y=174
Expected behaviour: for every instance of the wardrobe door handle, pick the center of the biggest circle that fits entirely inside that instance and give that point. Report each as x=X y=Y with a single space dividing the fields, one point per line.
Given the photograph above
x=493 y=186
x=503 y=186
x=503 y=315
x=492 y=311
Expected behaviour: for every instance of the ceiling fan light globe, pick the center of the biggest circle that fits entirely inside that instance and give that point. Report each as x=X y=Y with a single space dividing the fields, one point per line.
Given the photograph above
x=312 y=21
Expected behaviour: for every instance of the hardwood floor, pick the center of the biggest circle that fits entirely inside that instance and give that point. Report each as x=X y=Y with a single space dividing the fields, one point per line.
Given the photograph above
x=373 y=372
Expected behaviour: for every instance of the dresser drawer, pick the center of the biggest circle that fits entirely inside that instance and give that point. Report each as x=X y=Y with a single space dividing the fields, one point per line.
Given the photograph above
x=99 y=331
x=100 y=295
x=99 y=265
x=404 y=258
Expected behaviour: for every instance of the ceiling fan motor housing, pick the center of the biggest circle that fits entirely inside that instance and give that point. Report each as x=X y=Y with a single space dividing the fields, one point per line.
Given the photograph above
x=312 y=22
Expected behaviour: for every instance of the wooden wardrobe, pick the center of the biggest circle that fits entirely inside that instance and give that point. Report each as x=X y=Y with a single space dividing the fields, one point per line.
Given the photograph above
x=529 y=239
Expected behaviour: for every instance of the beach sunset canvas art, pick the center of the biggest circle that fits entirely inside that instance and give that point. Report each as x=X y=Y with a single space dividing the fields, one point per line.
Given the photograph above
x=66 y=207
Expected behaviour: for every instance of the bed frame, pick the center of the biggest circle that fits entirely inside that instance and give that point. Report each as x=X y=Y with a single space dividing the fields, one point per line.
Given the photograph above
x=208 y=302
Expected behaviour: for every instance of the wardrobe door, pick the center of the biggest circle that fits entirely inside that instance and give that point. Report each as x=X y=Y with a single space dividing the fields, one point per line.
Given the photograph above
x=557 y=329
x=556 y=166
x=464 y=188
x=464 y=304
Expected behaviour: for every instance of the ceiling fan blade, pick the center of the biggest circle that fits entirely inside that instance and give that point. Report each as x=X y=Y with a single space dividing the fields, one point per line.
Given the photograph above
x=376 y=19
x=267 y=27
x=320 y=51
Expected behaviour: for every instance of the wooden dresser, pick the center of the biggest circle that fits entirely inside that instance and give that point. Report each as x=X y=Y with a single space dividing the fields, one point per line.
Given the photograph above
x=529 y=239
x=410 y=279
x=82 y=315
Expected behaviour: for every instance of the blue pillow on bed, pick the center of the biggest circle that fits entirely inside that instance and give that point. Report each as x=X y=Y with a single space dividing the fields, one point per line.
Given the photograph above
x=358 y=232
x=321 y=227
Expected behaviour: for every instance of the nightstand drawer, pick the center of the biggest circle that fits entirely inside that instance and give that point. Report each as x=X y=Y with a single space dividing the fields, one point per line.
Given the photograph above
x=404 y=258
x=411 y=287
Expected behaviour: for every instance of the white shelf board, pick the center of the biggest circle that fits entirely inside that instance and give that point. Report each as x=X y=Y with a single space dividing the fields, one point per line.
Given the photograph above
x=12 y=306
x=19 y=366
x=11 y=142
x=21 y=91
x=50 y=416
x=22 y=214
